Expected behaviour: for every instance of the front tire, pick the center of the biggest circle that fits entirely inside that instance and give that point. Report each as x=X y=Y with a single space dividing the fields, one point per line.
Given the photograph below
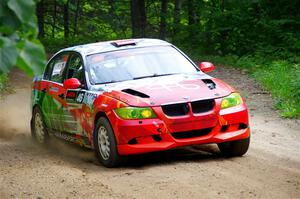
x=234 y=148
x=105 y=144
x=38 y=127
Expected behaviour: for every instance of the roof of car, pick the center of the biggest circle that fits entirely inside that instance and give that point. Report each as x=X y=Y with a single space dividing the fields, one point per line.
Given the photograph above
x=107 y=46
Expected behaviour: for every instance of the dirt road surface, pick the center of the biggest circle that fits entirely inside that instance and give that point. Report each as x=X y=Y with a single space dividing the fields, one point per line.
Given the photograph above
x=270 y=169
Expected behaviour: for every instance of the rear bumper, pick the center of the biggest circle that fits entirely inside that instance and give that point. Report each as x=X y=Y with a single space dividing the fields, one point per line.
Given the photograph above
x=143 y=136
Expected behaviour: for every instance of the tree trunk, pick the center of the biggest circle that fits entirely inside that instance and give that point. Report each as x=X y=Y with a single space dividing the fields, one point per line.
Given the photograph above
x=40 y=18
x=192 y=21
x=112 y=7
x=76 y=17
x=113 y=16
x=191 y=12
x=163 y=16
x=66 y=20
x=222 y=5
x=143 y=17
x=138 y=18
x=177 y=9
x=54 y=18
x=134 y=24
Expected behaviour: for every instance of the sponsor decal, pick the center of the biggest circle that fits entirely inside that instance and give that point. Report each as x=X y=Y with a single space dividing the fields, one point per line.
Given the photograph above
x=65 y=136
x=54 y=89
x=89 y=98
x=71 y=94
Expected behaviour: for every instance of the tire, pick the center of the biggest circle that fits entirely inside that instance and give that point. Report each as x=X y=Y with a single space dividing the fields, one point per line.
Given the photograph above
x=234 y=148
x=105 y=144
x=38 y=127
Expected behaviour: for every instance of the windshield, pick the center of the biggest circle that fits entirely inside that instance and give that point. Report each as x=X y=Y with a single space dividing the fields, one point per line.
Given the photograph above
x=136 y=64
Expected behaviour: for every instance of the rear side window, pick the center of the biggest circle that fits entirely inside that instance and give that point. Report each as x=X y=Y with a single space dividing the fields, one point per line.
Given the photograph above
x=55 y=69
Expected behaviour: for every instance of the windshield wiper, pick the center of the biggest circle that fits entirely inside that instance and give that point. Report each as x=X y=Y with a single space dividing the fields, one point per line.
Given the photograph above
x=154 y=75
x=108 y=82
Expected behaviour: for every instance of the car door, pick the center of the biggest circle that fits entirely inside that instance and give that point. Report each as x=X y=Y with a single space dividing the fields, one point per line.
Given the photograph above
x=73 y=122
x=54 y=101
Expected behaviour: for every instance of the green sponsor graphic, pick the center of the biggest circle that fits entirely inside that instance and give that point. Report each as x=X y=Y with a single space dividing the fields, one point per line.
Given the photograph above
x=62 y=119
x=53 y=111
x=55 y=115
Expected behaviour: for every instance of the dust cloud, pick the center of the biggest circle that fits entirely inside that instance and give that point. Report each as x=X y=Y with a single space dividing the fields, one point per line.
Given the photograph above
x=15 y=114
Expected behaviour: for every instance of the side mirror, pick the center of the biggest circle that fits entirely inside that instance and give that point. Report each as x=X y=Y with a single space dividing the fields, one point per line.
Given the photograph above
x=206 y=67
x=72 y=83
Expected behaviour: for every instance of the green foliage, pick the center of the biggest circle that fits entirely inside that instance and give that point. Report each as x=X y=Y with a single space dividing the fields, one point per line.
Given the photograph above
x=8 y=54
x=54 y=45
x=18 y=32
x=237 y=27
x=97 y=21
x=24 y=10
x=243 y=27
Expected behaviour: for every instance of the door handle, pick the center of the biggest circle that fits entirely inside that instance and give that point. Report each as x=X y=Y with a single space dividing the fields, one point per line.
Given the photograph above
x=62 y=96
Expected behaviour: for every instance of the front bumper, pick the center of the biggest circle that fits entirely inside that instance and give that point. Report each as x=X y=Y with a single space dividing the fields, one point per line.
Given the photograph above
x=168 y=142
x=149 y=135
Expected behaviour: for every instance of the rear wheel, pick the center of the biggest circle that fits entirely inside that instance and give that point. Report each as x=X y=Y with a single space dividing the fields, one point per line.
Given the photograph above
x=234 y=148
x=105 y=144
x=38 y=128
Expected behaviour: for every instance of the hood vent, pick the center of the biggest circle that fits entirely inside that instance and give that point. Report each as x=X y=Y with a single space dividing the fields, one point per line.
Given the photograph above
x=135 y=93
x=209 y=83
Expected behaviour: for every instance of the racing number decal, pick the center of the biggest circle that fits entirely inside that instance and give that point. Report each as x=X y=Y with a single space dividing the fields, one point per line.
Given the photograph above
x=80 y=97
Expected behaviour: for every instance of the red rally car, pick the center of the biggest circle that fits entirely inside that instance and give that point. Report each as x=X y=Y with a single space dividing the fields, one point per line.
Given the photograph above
x=136 y=96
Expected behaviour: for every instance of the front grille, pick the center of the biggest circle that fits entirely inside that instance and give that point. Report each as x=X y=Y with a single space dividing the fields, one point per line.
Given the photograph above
x=176 y=109
x=181 y=109
x=191 y=134
x=202 y=106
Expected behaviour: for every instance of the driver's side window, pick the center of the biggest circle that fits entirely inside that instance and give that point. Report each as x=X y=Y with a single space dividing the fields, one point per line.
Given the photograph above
x=55 y=69
x=75 y=68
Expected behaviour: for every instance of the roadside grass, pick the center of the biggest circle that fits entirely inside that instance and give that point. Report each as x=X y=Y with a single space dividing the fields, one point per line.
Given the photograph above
x=4 y=85
x=280 y=77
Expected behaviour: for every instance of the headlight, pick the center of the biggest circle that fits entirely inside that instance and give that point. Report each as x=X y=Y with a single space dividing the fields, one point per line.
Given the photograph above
x=128 y=113
x=233 y=99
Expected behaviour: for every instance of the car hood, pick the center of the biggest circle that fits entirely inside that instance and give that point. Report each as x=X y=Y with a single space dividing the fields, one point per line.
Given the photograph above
x=170 y=89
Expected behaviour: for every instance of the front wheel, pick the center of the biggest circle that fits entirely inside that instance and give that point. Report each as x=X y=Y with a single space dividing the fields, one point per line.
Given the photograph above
x=234 y=148
x=105 y=144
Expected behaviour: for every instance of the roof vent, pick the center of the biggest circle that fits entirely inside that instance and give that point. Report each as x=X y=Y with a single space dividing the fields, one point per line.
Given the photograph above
x=120 y=43
x=135 y=93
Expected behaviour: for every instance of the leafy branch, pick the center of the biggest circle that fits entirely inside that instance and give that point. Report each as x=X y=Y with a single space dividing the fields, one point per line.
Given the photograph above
x=19 y=45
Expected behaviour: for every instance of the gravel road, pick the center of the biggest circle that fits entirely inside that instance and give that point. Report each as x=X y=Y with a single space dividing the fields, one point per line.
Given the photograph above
x=270 y=169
